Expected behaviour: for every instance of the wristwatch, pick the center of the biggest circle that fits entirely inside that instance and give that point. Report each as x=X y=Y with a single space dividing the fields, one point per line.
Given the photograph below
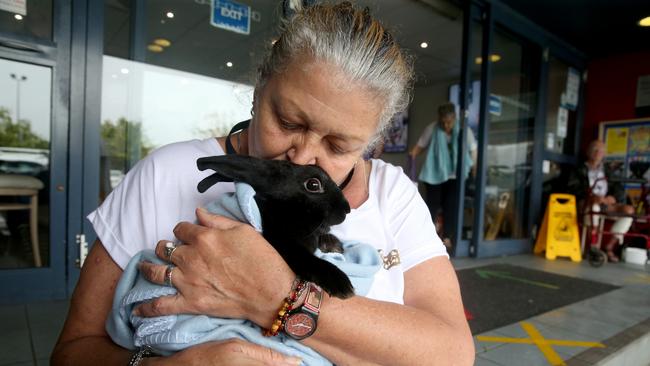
x=302 y=321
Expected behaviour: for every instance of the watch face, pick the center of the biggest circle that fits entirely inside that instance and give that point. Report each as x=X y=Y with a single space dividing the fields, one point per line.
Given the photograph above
x=299 y=325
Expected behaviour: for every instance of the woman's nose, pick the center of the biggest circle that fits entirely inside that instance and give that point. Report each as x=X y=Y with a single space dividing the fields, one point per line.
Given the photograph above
x=303 y=153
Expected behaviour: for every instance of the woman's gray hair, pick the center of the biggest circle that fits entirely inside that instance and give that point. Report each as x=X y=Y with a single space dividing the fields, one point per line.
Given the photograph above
x=353 y=41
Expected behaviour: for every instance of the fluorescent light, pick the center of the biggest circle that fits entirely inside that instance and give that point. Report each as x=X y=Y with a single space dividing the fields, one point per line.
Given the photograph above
x=124 y=70
x=229 y=64
x=154 y=48
x=18 y=17
x=493 y=58
x=170 y=15
x=162 y=42
x=424 y=45
x=645 y=22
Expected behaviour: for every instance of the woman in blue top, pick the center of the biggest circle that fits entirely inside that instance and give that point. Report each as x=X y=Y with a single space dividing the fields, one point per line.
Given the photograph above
x=438 y=174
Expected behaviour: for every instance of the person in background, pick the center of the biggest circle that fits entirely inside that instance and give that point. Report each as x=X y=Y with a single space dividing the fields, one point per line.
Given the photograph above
x=324 y=96
x=595 y=187
x=438 y=173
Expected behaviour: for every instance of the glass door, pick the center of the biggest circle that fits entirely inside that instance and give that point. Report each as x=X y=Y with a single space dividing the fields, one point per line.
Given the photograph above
x=511 y=117
x=33 y=149
x=509 y=67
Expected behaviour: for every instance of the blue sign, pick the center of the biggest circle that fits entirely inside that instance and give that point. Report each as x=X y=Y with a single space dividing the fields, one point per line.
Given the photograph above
x=495 y=105
x=232 y=16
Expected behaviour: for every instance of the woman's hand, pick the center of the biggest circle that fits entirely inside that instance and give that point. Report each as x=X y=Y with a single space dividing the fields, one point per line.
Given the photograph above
x=224 y=269
x=232 y=352
x=609 y=200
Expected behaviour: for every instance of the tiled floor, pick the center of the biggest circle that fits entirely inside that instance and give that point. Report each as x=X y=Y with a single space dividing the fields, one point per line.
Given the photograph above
x=30 y=331
x=592 y=321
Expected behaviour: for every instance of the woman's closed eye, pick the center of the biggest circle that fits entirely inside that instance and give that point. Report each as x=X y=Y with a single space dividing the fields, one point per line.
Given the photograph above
x=336 y=149
x=289 y=126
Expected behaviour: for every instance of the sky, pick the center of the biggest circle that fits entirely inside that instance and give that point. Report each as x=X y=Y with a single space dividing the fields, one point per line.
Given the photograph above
x=35 y=94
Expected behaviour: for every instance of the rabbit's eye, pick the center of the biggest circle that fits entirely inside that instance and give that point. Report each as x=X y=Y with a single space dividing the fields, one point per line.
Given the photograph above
x=313 y=185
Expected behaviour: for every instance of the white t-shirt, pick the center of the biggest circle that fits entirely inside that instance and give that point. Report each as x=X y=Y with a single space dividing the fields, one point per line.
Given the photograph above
x=160 y=191
x=597 y=176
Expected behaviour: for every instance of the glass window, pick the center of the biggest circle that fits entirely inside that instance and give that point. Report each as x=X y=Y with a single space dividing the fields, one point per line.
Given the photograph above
x=512 y=109
x=146 y=106
x=34 y=20
x=25 y=103
x=473 y=123
x=437 y=68
x=196 y=80
x=561 y=107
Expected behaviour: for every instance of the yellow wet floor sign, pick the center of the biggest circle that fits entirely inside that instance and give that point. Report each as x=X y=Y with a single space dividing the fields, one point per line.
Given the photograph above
x=559 y=232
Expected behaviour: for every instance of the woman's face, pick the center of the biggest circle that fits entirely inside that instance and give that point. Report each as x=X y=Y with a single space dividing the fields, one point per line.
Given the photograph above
x=309 y=114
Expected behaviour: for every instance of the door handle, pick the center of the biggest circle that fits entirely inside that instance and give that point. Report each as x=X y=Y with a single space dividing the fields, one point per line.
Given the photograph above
x=83 y=250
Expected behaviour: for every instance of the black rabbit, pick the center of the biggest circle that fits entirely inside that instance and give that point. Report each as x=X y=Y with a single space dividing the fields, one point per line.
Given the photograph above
x=298 y=204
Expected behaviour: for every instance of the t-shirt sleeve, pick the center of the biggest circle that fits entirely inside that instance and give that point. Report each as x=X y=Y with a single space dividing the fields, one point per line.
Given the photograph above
x=125 y=222
x=425 y=138
x=411 y=225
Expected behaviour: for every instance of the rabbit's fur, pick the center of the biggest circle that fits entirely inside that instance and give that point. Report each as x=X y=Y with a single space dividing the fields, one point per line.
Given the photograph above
x=298 y=204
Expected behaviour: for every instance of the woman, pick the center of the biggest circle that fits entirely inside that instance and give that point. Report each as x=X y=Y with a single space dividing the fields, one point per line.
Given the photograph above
x=331 y=84
x=595 y=186
x=438 y=174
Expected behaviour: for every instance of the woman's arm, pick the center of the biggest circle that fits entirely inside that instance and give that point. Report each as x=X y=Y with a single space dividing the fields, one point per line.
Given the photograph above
x=248 y=279
x=83 y=340
x=430 y=329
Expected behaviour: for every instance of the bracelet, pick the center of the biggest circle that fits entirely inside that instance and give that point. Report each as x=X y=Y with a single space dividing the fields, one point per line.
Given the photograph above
x=287 y=305
x=143 y=352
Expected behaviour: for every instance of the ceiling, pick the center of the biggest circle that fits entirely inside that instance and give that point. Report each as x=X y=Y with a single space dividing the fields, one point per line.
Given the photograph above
x=201 y=48
x=598 y=28
x=595 y=27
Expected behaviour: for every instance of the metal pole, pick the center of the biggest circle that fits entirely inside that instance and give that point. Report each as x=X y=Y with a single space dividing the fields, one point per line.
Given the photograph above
x=18 y=81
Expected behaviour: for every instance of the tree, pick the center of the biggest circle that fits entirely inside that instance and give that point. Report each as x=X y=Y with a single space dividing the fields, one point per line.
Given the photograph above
x=19 y=134
x=123 y=143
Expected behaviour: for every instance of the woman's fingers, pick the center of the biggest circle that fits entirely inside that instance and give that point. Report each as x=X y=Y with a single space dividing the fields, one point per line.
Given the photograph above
x=170 y=252
x=265 y=355
x=160 y=273
x=215 y=221
x=160 y=306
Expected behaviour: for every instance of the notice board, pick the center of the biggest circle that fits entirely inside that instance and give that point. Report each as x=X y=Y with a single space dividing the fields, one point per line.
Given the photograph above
x=627 y=142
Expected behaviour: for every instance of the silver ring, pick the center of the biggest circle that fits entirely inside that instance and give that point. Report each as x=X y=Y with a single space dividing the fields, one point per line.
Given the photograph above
x=169 y=250
x=168 y=275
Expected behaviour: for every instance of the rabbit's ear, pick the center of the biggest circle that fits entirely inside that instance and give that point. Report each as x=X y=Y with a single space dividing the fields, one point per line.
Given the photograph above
x=231 y=168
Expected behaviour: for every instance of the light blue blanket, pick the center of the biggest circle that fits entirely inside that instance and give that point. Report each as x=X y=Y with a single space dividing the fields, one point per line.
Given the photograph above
x=171 y=333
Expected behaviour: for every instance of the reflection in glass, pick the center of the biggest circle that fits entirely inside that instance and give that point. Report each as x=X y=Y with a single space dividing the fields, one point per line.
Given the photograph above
x=34 y=20
x=561 y=107
x=473 y=123
x=510 y=139
x=146 y=106
x=25 y=94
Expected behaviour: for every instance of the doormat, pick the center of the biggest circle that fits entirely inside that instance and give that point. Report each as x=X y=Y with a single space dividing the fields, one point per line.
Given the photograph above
x=501 y=294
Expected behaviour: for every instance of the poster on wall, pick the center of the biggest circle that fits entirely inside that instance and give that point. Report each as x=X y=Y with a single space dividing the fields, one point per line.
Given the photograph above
x=616 y=141
x=397 y=134
x=627 y=145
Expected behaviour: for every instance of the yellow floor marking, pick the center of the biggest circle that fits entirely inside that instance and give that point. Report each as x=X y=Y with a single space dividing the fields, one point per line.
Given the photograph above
x=641 y=278
x=544 y=345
